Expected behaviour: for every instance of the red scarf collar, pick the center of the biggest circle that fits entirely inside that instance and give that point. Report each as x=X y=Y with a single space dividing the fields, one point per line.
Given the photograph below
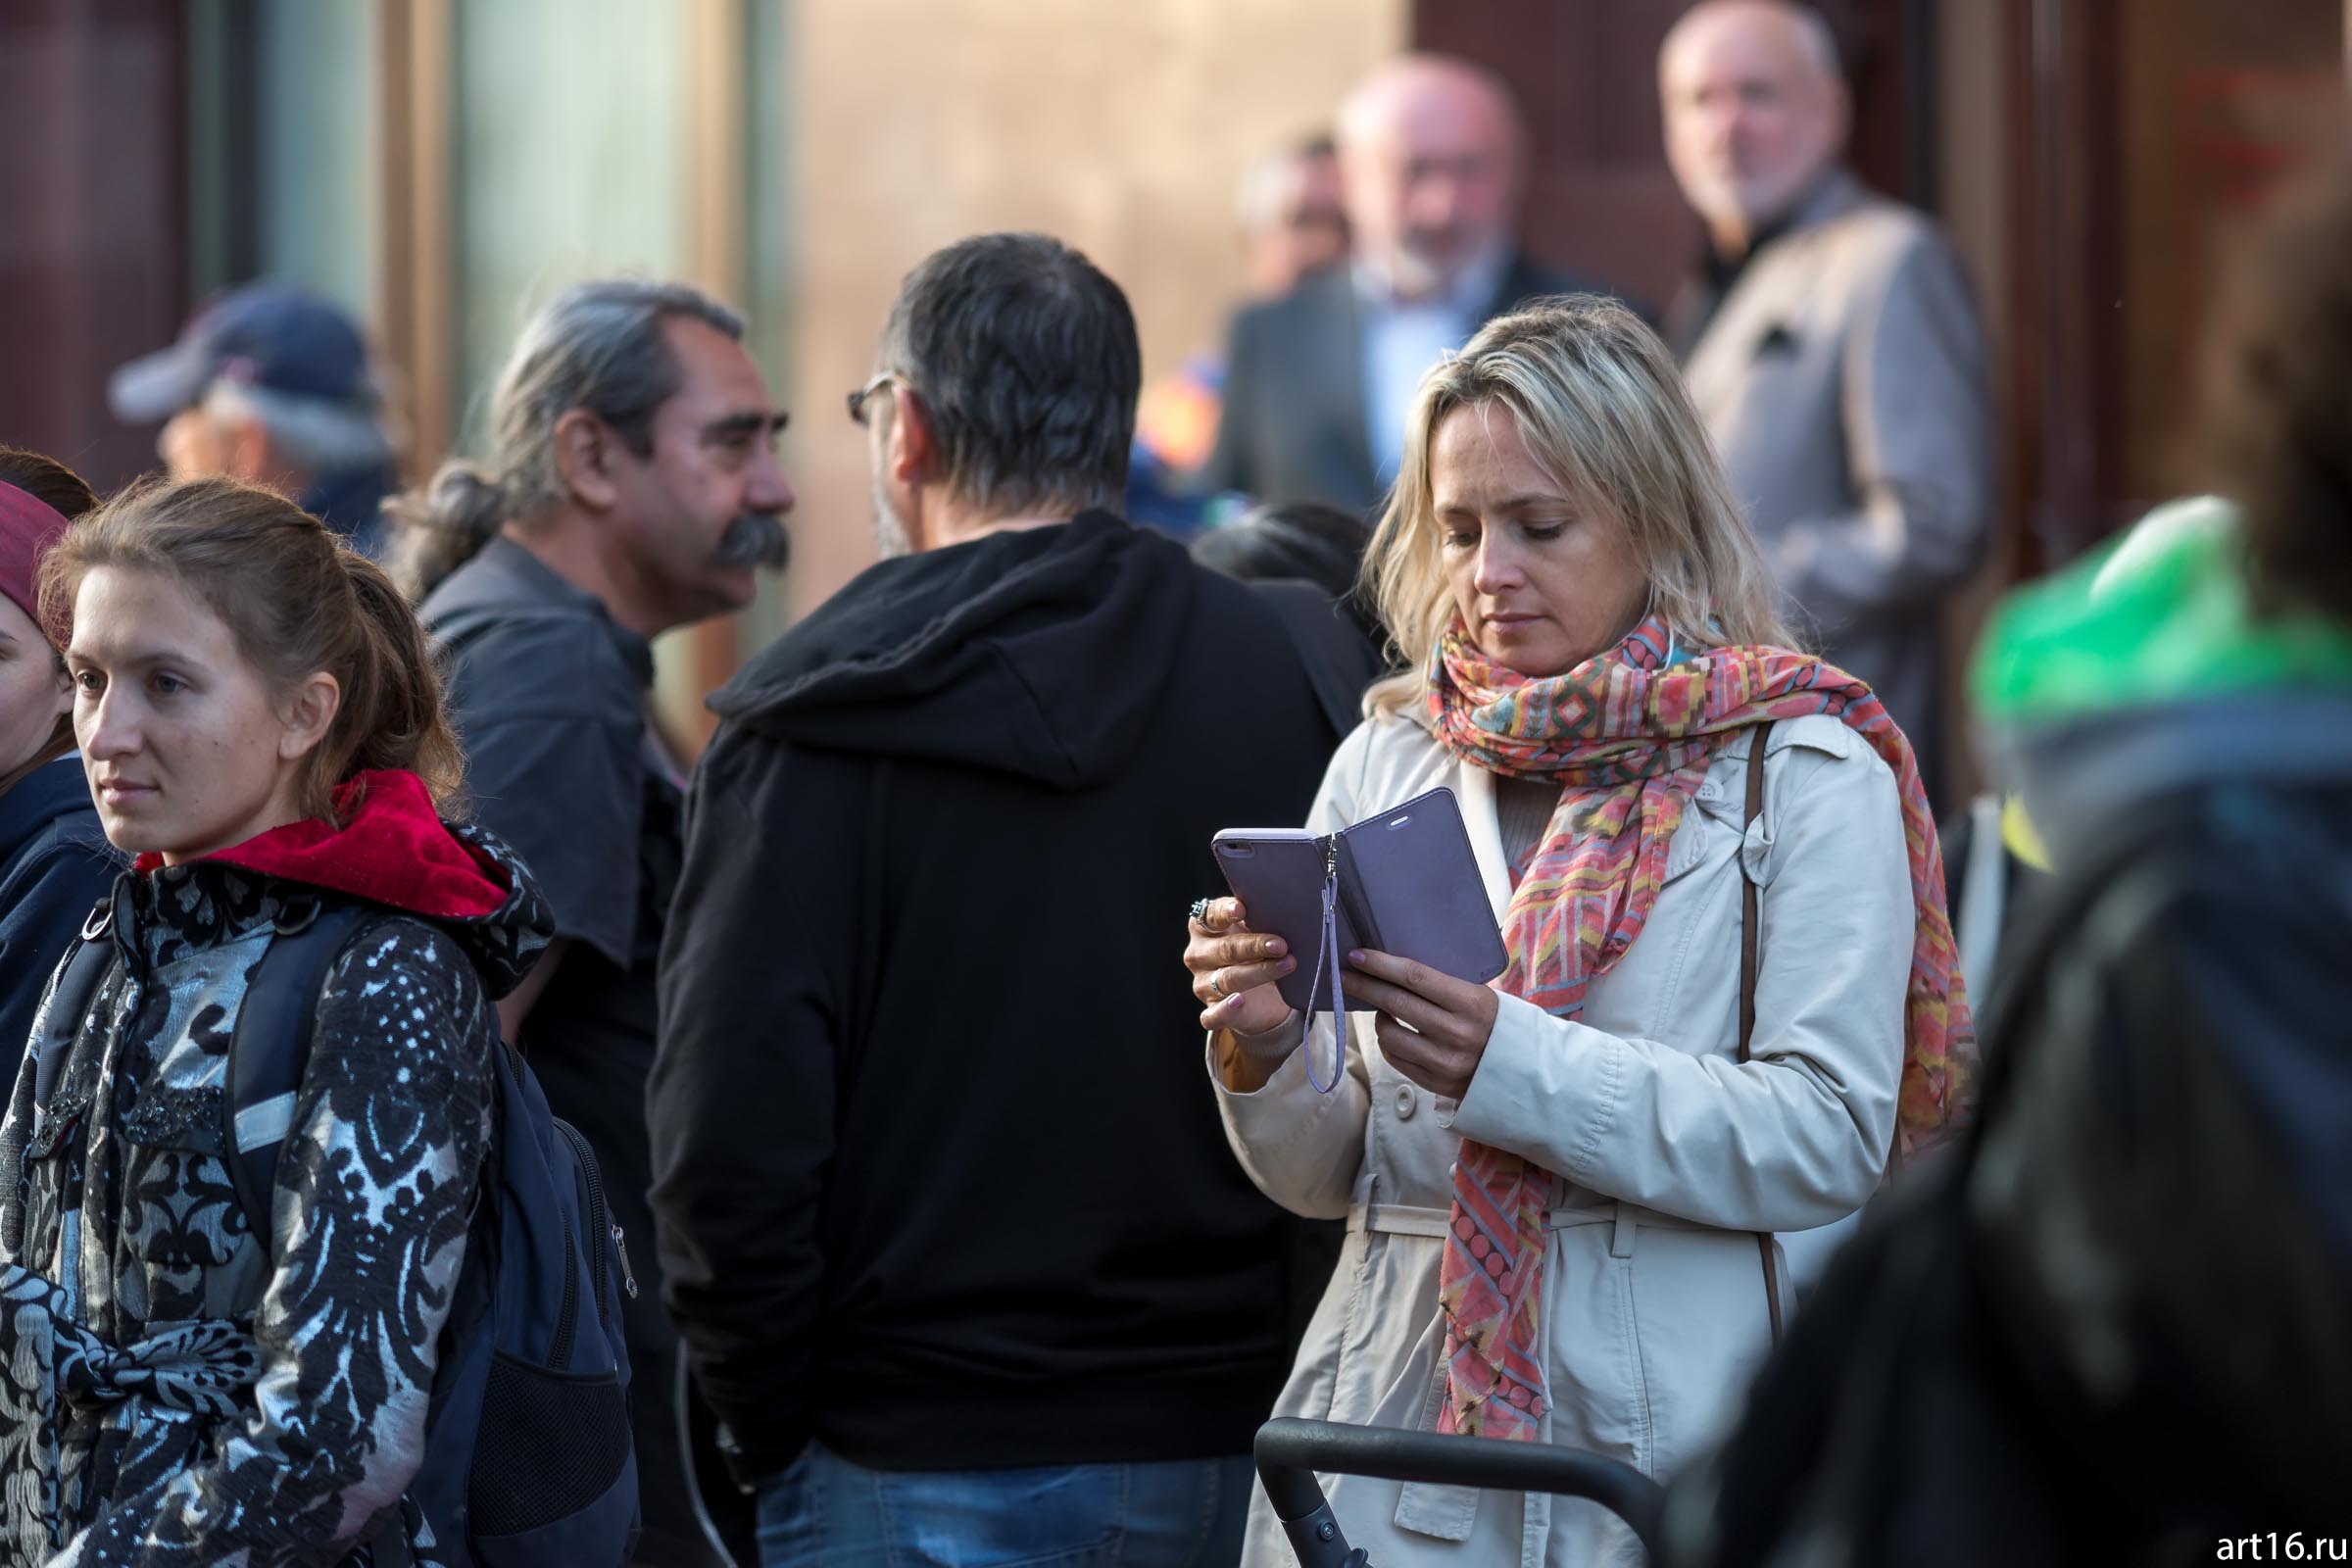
x=393 y=849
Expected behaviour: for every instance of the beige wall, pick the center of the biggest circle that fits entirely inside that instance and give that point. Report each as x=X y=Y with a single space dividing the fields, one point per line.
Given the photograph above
x=1120 y=125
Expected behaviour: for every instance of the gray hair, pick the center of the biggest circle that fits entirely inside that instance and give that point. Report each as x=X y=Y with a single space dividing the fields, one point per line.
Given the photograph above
x=1821 y=40
x=1025 y=357
x=312 y=435
x=597 y=346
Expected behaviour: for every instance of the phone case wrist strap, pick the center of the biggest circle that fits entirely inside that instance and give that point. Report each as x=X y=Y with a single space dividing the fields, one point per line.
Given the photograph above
x=1327 y=962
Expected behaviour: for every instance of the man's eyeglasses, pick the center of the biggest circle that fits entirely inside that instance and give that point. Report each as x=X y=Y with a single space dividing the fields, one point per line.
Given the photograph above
x=857 y=399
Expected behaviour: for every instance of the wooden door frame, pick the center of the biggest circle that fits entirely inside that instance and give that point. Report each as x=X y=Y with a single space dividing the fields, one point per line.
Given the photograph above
x=417 y=195
x=717 y=191
x=2063 y=398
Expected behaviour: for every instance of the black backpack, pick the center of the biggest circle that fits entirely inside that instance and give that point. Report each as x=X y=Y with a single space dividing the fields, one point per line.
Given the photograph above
x=527 y=1456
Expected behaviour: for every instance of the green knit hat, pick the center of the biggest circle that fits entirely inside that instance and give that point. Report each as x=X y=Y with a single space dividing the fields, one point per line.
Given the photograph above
x=2161 y=614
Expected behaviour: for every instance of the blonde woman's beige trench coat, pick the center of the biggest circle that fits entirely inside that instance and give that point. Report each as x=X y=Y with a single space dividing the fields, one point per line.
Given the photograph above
x=1668 y=1150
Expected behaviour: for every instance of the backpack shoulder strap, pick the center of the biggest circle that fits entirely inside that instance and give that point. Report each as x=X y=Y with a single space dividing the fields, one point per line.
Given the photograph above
x=1759 y=736
x=272 y=1047
x=77 y=981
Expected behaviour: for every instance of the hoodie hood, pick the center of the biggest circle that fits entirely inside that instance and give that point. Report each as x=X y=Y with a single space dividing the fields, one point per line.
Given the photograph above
x=1041 y=653
x=2162 y=616
x=2146 y=669
x=393 y=849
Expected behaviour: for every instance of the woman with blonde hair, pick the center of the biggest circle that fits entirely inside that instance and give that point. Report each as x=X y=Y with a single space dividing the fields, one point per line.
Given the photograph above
x=1561 y=1189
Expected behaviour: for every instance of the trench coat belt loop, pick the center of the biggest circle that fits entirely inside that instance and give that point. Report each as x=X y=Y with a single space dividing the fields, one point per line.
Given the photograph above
x=1625 y=1219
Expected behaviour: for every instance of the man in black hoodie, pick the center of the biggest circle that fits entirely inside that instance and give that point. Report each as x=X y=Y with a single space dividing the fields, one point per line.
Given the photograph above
x=947 y=1220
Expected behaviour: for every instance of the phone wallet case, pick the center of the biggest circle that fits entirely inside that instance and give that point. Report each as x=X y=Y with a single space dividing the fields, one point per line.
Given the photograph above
x=1407 y=884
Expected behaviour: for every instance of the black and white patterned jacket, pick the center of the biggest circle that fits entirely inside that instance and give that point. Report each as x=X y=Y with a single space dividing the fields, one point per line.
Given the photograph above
x=166 y=1395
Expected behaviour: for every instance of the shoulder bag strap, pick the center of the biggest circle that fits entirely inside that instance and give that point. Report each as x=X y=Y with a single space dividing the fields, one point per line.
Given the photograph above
x=1758 y=735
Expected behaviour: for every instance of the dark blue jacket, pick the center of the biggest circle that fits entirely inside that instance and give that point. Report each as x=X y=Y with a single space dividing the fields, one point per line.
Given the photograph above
x=351 y=502
x=54 y=866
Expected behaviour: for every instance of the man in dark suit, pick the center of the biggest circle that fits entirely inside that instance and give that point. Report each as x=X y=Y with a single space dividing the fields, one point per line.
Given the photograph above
x=1431 y=155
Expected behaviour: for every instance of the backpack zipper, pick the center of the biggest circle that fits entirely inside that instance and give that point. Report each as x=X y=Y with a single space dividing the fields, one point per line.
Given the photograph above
x=599 y=1217
x=620 y=1250
x=559 y=1351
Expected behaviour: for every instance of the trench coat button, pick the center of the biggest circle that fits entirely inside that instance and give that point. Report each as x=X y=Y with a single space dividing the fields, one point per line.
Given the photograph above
x=1406 y=1103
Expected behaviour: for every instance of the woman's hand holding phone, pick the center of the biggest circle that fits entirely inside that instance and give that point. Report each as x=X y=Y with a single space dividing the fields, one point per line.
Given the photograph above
x=1234 y=969
x=1433 y=1028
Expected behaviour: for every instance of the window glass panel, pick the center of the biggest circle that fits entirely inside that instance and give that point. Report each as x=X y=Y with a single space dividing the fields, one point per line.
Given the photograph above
x=282 y=146
x=771 y=268
x=568 y=162
x=315 y=204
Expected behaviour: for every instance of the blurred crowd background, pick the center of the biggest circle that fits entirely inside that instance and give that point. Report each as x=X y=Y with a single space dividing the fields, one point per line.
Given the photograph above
x=442 y=167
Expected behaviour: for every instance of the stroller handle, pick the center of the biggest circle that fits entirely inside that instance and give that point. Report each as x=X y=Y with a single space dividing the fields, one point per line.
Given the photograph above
x=1289 y=1452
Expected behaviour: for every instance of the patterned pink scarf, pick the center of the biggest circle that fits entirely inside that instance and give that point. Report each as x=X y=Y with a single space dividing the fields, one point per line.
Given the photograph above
x=1630 y=737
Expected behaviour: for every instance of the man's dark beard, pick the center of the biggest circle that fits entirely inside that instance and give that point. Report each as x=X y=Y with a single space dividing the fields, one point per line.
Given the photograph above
x=754 y=539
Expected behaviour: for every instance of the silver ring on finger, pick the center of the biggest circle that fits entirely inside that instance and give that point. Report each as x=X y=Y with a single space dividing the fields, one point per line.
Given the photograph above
x=1216 y=983
x=1201 y=910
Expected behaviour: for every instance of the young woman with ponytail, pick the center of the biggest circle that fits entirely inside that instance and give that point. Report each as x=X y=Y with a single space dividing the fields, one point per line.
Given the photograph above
x=260 y=724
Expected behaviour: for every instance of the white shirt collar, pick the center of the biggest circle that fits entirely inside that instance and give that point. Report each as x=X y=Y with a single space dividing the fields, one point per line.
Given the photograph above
x=1472 y=290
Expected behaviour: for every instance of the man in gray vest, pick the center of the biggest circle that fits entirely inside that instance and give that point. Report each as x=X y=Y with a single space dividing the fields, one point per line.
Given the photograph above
x=1831 y=347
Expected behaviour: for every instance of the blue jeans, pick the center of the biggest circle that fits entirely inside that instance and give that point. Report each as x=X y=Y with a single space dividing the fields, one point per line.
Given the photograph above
x=825 y=1512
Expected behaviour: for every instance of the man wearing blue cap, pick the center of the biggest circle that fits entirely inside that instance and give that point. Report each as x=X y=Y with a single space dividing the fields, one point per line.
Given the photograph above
x=271 y=384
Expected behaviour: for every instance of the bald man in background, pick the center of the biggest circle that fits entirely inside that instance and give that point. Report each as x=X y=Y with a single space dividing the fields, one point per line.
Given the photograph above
x=1431 y=159
x=1831 y=346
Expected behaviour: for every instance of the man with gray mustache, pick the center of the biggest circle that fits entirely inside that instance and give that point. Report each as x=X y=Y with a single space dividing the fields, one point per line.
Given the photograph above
x=632 y=487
